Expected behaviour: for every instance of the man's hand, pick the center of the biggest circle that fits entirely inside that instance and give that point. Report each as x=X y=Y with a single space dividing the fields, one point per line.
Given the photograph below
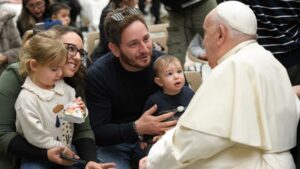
x=54 y=155
x=297 y=90
x=143 y=163
x=94 y=165
x=154 y=125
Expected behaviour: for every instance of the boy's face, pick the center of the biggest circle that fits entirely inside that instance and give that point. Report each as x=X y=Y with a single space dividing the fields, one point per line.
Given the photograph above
x=171 y=78
x=64 y=16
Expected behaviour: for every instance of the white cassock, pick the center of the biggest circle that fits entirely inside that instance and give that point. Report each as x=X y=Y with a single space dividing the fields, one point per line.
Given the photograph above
x=243 y=117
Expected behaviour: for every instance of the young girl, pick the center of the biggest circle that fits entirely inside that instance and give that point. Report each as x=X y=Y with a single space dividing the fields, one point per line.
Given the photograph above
x=39 y=106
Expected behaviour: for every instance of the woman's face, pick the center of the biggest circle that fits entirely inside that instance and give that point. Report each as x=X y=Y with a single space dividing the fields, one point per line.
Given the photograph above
x=36 y=8
x=73 y=62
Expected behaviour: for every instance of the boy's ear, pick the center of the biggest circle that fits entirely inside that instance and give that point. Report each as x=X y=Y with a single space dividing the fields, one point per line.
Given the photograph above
x=114 y=49
x=158 y=81
x=53 y=17
x=33 y=65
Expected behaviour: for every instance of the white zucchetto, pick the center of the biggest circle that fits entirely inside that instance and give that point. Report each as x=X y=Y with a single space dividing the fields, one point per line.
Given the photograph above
x=242 y=18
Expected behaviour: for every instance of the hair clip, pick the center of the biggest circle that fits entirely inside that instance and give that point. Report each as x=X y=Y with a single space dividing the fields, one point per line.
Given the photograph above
x=117 y=16
x=134 y=11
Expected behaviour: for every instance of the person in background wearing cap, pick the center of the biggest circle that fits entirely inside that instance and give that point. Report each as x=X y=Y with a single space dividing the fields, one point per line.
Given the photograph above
x=244 y=116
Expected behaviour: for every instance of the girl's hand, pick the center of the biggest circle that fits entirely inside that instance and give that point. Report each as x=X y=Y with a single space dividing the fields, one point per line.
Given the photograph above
x=80 y=103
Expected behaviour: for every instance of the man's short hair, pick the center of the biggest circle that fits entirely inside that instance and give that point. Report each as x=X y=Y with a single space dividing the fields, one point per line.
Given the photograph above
x=56 y=7
x=118 y=20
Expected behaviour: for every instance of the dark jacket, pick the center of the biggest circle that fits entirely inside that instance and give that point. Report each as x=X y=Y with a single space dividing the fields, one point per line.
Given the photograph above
x=179 y=4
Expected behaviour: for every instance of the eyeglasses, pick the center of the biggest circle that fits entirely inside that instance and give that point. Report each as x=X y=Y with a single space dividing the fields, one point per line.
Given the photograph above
x=40 y=4
x=72 y=51
x=119 y=13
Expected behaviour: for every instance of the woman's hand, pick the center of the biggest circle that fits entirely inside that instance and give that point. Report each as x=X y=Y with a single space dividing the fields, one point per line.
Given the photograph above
x=53 y=155
x=94 y=165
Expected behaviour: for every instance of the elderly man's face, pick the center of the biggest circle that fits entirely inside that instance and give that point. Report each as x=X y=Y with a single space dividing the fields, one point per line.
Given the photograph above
x=211 y=33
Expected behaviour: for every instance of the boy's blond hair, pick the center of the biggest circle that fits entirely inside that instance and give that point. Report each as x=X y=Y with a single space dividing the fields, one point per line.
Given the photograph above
x=164 y=61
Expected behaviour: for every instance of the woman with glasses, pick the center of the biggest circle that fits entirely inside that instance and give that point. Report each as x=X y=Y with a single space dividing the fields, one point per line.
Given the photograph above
x=13 y=146
x=33 y=11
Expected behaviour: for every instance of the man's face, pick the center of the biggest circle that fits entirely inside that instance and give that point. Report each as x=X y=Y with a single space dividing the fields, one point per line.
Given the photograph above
x=171 y=78
x=135 y=49
x=211 y=33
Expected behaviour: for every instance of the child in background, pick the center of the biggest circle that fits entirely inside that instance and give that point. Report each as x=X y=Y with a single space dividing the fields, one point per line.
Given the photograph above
x=39 y=106
x=60 y=11
x=174 y=96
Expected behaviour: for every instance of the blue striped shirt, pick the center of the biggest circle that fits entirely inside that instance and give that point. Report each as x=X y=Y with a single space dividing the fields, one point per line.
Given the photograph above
x=278 y=24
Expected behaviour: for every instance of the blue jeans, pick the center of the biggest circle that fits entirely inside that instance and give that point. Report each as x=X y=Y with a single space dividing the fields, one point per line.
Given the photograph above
x=125 y=155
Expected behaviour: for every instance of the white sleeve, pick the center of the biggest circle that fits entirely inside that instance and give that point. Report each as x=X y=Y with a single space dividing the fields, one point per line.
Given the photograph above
x=181 y=147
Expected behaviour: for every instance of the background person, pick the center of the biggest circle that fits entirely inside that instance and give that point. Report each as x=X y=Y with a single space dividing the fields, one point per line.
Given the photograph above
x=75 y=10
x=186 y=18
x=240 y=115
x=10 y=41
x=60 y=11
x=33 y=11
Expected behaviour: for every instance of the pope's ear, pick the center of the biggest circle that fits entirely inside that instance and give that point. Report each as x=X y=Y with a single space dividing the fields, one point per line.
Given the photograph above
x=157 y=80
x=223 y=31
x=114 y=49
